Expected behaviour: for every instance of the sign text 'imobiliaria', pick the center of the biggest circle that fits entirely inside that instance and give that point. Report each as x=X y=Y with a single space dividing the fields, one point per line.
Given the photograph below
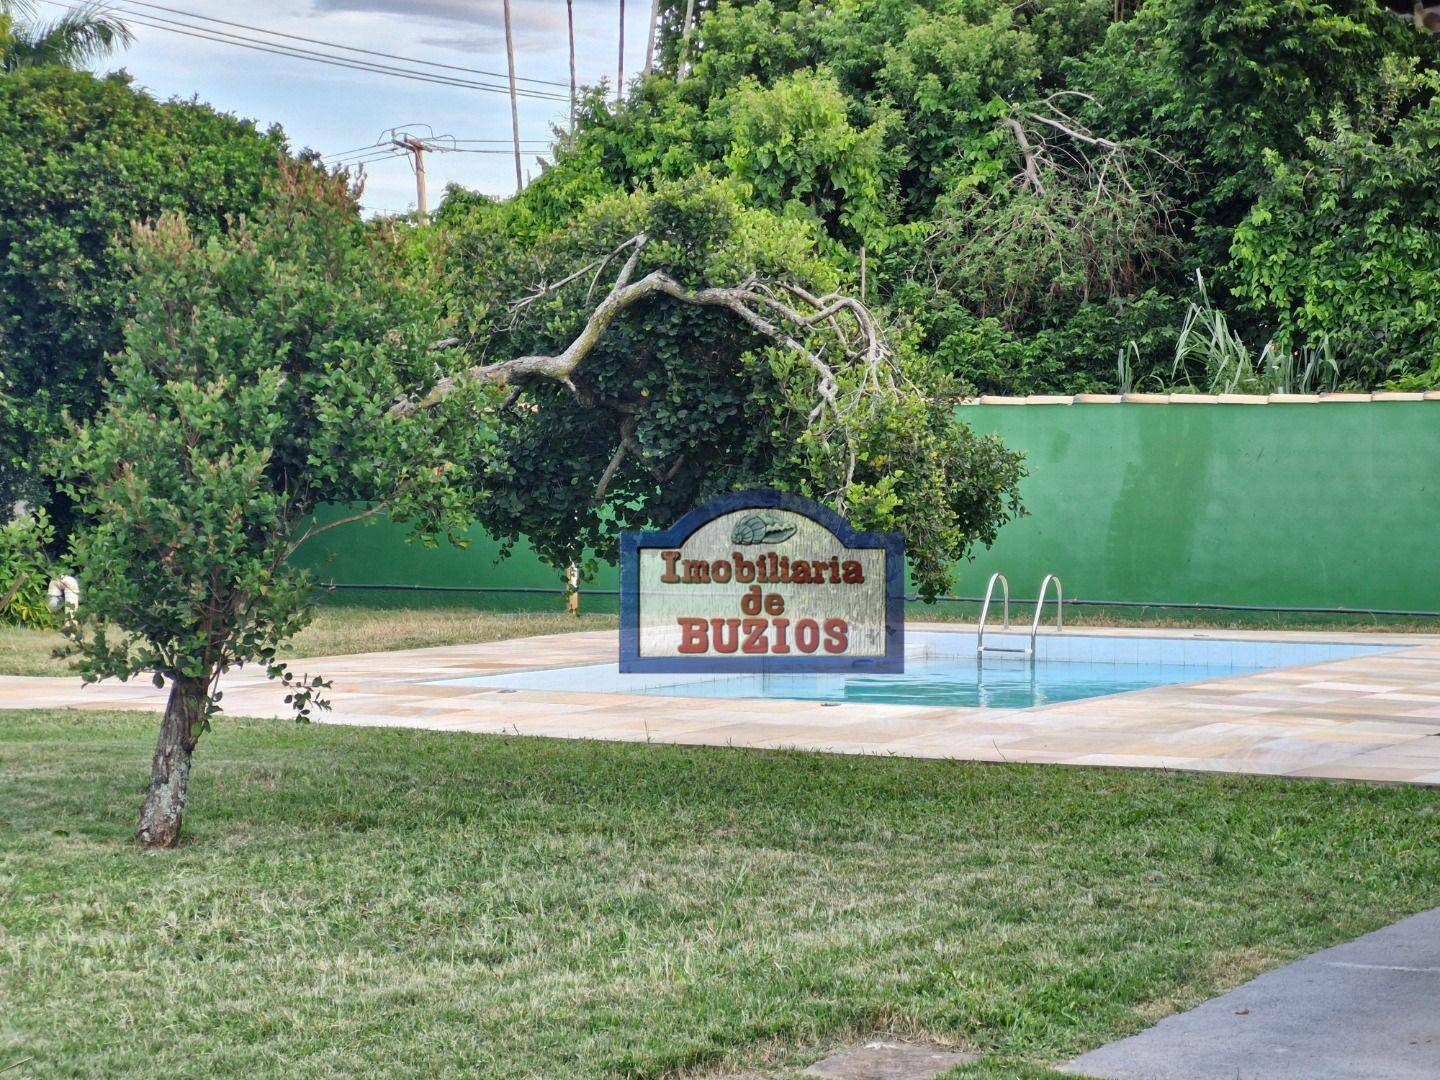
x=761 y=581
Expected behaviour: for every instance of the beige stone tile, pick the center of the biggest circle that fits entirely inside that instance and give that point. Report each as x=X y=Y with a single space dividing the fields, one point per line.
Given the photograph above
x=1366 y=718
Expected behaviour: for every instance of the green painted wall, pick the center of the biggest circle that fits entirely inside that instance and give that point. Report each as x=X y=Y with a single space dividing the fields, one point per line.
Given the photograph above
x=375 y=552
x=1303 y=505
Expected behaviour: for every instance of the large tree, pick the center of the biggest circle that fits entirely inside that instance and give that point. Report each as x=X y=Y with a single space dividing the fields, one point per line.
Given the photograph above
x=666 y=346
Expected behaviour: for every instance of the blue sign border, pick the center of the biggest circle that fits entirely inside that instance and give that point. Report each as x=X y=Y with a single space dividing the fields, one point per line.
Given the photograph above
x=891 y=663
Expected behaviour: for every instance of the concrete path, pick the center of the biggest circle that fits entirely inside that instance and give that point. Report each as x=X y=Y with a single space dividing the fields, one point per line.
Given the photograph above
x=1365 y=1010
x=1373 y=717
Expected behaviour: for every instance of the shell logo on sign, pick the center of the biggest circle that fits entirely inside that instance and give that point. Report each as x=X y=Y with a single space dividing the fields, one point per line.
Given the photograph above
x=761 y=581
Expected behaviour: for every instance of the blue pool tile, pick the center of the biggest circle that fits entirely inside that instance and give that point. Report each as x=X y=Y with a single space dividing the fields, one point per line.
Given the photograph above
x=942 y=669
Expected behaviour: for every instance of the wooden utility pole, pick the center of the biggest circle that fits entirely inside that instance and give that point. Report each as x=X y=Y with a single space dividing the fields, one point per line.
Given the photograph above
x=620 y=69
x=570 y=18
x=416 y=149
x=652 y=33
x=514 y=108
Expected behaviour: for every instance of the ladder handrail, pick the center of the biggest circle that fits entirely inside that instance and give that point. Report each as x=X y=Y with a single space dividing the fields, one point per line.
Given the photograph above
x=1040 y=608
x=985 y=608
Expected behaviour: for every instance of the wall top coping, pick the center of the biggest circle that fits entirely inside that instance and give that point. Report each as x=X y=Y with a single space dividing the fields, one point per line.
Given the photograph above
x=1198 y=399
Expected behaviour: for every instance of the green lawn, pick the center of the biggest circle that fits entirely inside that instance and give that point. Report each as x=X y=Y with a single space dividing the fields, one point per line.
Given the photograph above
x=338 y=629
x=407 y=903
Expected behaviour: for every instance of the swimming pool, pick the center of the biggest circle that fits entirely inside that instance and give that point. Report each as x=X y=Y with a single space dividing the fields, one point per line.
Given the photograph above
x=941 y=670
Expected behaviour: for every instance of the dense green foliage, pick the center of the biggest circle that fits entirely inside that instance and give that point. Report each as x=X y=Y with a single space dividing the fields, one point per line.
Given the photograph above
x=1346 y=244
x=80 y=159
x=702 y=403
x=1036 y=186
x=1033 y=197
x=25 y=571
x=252 y=387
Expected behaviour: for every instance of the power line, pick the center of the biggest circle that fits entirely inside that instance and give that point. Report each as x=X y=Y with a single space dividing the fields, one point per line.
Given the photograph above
x=461 y=150
x=357 y=150
x=366 y=152
x=226 y=38
x=361 y=161
x=338 y=45
x=382 y=154
x=405 y=140
x=352 y=153
x=278 y=49
x=367 y=161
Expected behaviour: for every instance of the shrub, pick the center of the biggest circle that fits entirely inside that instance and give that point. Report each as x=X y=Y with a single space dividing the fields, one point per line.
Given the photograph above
x=25 y=570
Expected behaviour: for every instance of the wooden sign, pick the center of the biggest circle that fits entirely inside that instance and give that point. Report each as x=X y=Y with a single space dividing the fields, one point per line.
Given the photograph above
x=762 y=581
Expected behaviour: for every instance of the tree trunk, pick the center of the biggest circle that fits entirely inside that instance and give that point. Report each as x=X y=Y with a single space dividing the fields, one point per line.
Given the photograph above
x=651 y=33
x=170 y=771
x=684 y=65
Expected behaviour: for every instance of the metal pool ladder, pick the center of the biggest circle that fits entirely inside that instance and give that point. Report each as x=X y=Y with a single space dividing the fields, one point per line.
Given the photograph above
x=1028 y=651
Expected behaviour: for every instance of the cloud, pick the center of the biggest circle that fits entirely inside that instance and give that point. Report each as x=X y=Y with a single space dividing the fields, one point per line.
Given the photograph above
x=450 y=10
x=486 y=18
x=463 y=11
x=536 y=27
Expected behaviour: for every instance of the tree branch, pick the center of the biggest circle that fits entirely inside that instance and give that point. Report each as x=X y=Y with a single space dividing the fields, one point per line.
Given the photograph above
x=835 y=335
x=627 y=429
x=314 y=530
x=742 y=300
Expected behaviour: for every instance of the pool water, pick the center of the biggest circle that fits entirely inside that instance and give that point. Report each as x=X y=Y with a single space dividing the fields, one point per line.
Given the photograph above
x=941 y=669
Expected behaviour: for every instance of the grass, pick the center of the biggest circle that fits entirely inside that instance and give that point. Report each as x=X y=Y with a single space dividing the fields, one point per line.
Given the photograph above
x=340 y=629
x=387 y=902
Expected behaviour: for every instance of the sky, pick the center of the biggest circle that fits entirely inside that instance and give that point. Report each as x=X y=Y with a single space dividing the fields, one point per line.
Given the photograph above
x=334 y=109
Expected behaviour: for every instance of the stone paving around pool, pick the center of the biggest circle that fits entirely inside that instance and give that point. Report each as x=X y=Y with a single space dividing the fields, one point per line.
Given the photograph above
x=1373 y=717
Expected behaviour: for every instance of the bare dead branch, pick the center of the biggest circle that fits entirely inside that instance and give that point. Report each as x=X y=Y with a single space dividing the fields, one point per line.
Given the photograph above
x=1031 y=172
x=742 y=300
x=597 y=265
x=831 y=334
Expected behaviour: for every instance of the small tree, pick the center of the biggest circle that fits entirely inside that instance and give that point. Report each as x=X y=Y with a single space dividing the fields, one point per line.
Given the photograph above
x=253 y=385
